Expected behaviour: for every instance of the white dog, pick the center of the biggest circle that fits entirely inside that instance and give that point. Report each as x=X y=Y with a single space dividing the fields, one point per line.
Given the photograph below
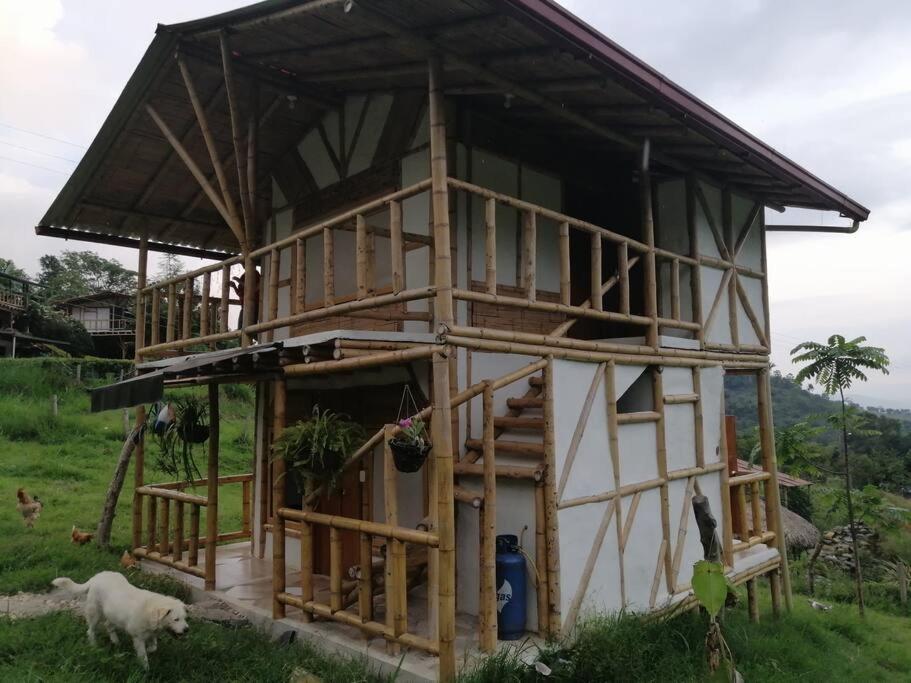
x=117 y=604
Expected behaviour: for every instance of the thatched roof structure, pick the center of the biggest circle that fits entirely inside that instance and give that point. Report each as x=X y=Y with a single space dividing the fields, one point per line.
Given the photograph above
x=799 y=534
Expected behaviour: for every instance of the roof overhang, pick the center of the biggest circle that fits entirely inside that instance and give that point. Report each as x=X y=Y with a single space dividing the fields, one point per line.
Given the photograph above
x=564 y=75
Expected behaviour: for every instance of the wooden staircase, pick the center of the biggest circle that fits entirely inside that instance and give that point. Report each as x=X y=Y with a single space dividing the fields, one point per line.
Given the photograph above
x=524 y=414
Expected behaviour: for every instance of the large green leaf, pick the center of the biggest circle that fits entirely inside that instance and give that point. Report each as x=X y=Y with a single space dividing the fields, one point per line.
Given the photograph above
x=710 y=585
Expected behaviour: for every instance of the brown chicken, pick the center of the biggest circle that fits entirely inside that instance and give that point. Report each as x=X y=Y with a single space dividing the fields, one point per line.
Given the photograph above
x=29 y=507
x=80 y=537
x=127 y=561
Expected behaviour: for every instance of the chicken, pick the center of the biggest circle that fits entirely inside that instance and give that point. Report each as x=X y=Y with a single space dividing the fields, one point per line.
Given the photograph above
x=127 y=561
x=29 y=507
x=80 y=537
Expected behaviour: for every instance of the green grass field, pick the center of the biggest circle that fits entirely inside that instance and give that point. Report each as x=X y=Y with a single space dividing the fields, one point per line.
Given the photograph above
x=68 y=462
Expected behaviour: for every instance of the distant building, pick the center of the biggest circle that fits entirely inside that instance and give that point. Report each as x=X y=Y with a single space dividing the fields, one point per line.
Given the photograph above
x=107 y=317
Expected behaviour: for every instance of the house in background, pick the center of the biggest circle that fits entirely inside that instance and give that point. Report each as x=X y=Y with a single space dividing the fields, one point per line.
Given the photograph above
x=108 y=318
x=15 y=295
x=557 y=250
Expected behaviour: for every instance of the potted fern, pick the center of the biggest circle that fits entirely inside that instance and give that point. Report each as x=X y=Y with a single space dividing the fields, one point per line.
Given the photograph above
x=318 y=448
x=179 y=426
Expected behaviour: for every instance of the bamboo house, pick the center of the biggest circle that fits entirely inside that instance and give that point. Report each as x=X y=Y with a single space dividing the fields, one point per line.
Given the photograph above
x=556 y=250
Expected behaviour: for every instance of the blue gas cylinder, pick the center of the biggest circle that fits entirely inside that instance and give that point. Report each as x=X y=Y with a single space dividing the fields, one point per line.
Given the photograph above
x=511 y=579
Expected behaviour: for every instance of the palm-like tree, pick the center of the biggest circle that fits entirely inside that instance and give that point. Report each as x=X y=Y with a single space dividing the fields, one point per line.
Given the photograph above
x=834 y=366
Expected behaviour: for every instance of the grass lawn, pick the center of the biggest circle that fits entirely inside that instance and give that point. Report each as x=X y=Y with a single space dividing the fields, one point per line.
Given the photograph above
x=68 y=462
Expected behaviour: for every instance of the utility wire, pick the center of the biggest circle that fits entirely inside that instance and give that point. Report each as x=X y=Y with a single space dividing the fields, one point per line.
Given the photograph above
x=37 y=151
x=25 y=163
x=42 y=135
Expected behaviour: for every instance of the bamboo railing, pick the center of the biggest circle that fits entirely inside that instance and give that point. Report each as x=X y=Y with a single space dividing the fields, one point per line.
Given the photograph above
x=167 y=536
x=191 y=317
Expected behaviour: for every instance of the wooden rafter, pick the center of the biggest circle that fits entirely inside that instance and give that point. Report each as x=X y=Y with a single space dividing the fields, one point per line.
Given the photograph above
x=236 y=136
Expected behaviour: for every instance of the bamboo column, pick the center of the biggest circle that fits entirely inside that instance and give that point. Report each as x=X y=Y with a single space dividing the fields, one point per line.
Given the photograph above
x=530 y=248
x=597 y=298
x=223 y=305
x=138 y=475
x=212 y=488
x=550 y=504
x=648 y=236
x=328 y=267
x=177 y=548
x=187 y=309
x=488 y=608
x=141 y=276
x=490 y=227
x=155 y=322
x=541 y=559
x=335 y=569
x=565 y=283
x=365 y=576
x=695 y=272
x=391 y=504
x=397 y=247
x=274 y=271
x=151 y=524
x=661 y=439
x=613 y=432
x=249 y=277
x=361 y=256
x=280 y=399
x=770 y=464
x=623 y=274
x=300 y=276
x=172 y=311
x=441 y=419
x=164 y=526
x=204 y=304
x=193 y=546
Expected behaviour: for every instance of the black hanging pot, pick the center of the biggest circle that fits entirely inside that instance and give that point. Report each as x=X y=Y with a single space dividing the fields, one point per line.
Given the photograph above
x=194 y=433
x=407 y=455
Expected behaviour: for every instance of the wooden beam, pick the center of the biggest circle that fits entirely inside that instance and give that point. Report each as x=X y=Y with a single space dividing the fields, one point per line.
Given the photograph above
x=234 y=111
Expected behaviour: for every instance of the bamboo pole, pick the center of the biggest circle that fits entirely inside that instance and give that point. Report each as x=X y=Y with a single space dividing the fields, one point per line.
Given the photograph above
x=335 y=569
x=365 y=545
x=197 y=173
x=490 y=225
x=245 y=506
x=396 y=246
x=187 y=332
x=152 y=523
x=440 y=206
x=236 y=135
x=550 y=499
x=138 y=475
x=530 y=249
x=306 y=567
x=565 y=282
x=155 y=323
x=770 y=464
x=299 y=280
x=623 y=272
x=658 y=400
x=172 y=312
x=775 y=591
x=597 y=301
x=695 y=272
x=251 y=294
x=613 y=431
x=223 y=305
x=204 y=305
x=212 y=488
x=675 y=289
x=391 y=504
x=164 y=526
x=361 y=256
x=398 y=598
x=488 y=607
x=177 y=548
x=193 y=549
x=274 y=275
x=328 y=267
x=727 y=518
x=753 y=600
x=421 y=352
x=648 y=234
x=280 y=398
x=699 y=430
x=541 y=559
x=142 y=271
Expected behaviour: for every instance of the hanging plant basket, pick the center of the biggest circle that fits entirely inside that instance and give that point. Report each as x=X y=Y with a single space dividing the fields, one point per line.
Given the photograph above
x=408 y=455
x=179 y=425
x=194 y=433
x=410 y=446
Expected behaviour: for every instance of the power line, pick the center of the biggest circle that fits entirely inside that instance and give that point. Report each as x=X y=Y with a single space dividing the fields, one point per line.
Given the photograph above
x=25 y=163
x=42 y=135
x=38 y=151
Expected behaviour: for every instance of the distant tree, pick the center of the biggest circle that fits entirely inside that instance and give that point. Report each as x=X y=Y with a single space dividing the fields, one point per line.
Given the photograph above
x=835 y=366
x=9 y=268
x=169 y=266
x=77 y=273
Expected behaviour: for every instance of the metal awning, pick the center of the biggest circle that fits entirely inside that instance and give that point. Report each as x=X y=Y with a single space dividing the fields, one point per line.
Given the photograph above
x=260 y=362
x=201 y=368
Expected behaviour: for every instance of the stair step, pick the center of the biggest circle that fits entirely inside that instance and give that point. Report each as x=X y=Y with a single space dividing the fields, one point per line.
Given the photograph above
x=514 y=447
x=523 y=403
x=536 y=381
x=509 y=422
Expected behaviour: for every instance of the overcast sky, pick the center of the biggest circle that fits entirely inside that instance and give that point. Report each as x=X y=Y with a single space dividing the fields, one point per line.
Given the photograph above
x=826 y=83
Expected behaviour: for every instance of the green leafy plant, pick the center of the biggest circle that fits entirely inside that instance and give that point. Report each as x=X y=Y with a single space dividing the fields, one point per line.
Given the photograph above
x=189 y=427
x=711 y=587
x=317 y=448
x=835 y=366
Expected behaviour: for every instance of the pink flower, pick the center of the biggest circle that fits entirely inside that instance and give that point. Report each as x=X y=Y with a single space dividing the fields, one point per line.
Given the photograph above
x=406 y=423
